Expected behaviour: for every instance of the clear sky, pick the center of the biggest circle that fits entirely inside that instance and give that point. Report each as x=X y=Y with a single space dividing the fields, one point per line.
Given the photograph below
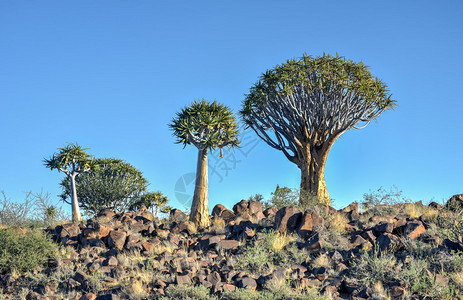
x=111 y=75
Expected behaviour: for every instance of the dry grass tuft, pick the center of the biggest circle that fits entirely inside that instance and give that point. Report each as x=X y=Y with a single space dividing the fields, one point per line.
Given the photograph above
x=321 y=261
x=279 y=241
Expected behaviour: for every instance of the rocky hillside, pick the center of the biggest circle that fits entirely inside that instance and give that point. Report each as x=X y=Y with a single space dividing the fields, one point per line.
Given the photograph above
x=402 y=251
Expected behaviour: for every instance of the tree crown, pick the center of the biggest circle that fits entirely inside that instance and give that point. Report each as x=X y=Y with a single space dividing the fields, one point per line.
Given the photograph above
x=71 y=158
x=115 y=185
x=312 y=100
x=206 y=125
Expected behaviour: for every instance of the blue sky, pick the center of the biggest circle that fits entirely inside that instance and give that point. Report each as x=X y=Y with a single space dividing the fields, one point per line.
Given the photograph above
x=110 y=75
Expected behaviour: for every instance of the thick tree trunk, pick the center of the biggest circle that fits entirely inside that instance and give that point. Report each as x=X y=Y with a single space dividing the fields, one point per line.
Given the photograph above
x=76 y=216
x=200 y=207
x=313 y=174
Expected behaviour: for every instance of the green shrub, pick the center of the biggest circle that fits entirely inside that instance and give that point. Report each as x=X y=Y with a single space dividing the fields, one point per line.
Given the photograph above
x=187 y=292
x=24 y=251
x=373 y=266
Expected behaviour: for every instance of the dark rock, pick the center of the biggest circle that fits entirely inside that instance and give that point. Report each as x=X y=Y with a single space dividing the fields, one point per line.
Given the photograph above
x=387 y=241
x=108 y=297
x=453 y=245
x=214 y=278
x=308 y=220
x=247 y=282
x=222 y=212
x=183 y=279
x=315 y=243
x=286 y=219
x=80 y=277
x=397 y=292
x=228 y=244
x=88 y=296
x=435 y=205
x=269 y=212
x=413 y=229
x=369 y=236
x=177 y=215
x=455 y=203
x=383 y=227
x=116 y=239
x=241 y=207
x=255 y=207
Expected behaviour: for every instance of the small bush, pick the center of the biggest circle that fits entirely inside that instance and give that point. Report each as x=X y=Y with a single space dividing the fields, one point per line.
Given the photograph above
x=24 y=251
x=187 y=292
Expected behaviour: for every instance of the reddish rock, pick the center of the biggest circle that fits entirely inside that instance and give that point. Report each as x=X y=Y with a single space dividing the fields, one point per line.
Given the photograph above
x=270 y=212
x=387 y=241
x=228 y=287
x=398 y=292
x=455 y=203
x=255 y=207
x=177 y=215
x=414 y=229
x=69 y=230
x=228 y=244
x=315 y=243
x=308 y=220
x=116 y=239
x=183 y=279
x=102 y=230
x=106 y=213
x=247 y=283
x=286 y=219
x=214 y=278
x=88 y=296
x=383 y=227
x=442 y=280
x=111 y=261
x=241 y=207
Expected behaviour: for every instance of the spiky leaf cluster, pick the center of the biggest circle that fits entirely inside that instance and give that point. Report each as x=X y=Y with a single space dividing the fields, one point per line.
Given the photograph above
x=206 y=125
x=306 y=100
x=71 y=159
x=115 y=185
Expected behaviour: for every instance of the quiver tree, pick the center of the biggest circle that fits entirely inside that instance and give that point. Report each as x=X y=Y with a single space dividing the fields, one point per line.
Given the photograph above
x=114 y=185
x=302 y=106
x=72 y=160
x=206 y=125
x=155 y=201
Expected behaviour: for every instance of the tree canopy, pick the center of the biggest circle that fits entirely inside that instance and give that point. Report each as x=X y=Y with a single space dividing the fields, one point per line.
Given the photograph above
x=302 y=106
x=115 y=185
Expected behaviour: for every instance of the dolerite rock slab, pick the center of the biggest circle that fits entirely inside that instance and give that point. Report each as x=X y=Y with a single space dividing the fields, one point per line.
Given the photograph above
x=116 y=239
x=388 y=241
x=308 y=221
x=287 y=219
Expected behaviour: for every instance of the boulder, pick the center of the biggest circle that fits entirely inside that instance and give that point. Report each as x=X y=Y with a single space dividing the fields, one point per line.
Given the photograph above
x=308 y=220
x=116 y=239
x=455 y=203
x=247 y=283
x=286 y=219
x=414 y=229
x=241 y=207
x=387 y=241
x=255 y=207
x=177 y=215
x=228 y=244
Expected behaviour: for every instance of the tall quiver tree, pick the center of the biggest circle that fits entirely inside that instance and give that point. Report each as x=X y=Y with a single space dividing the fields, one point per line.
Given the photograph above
x=72 y=160
x=302 y=106
x=206 y=125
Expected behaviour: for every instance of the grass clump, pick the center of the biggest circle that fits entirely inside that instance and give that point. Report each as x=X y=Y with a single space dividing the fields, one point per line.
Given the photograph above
x=24 y=251
x=188 y=292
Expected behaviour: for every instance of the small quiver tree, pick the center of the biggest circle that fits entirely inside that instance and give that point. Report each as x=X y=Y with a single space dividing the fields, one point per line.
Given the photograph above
x=114 y=185
x=302 y=106
x=155 y=201
x=206 y=125
x=72 y=160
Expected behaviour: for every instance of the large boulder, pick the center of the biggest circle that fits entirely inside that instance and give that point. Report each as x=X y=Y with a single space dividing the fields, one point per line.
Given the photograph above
x=222 y=212
x=308 y=220
x=455 y=203
x=287 y=219
x=241 y=207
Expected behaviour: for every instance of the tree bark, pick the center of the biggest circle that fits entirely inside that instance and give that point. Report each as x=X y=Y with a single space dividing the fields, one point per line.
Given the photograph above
x=76 y=216
x=200 y=207
x=312 y=168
